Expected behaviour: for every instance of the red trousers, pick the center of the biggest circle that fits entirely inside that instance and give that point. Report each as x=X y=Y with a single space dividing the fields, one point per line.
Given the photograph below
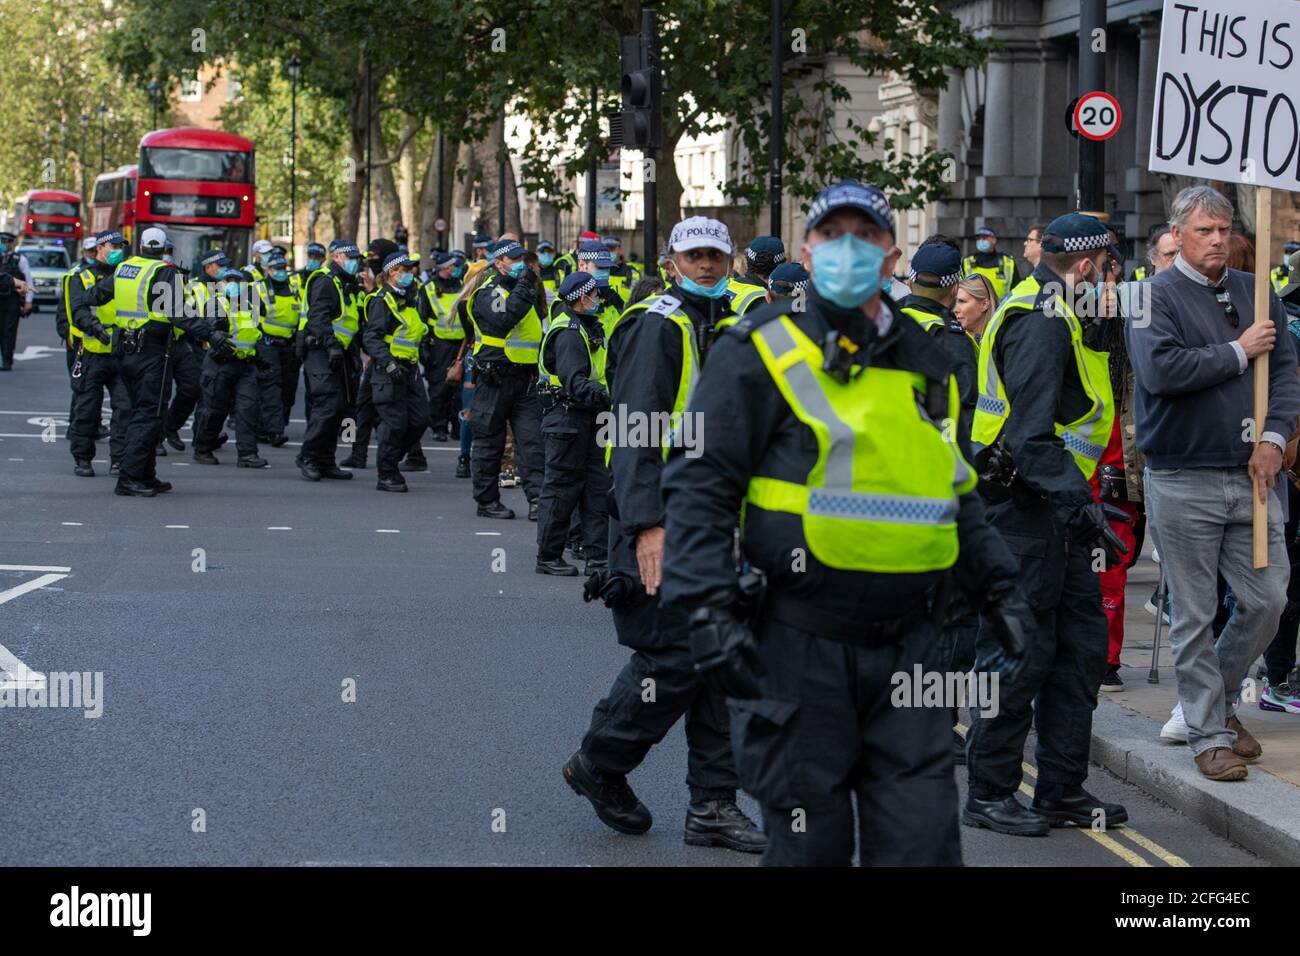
x=1114 y=579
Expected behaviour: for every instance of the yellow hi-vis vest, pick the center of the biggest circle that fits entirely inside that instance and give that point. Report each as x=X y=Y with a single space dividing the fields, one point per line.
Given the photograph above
x=1140 y=273
x=668 y=308
x=865 y=506
x=1085 y=437
x=999 y=276
x=404 y=341
x=525 y=338
x=130 y=290
x=595 y=356
x=107 y=315
x=1279 y=277
x=446 y=324
x=348 y=321
x=245 y=330
x=279 y=313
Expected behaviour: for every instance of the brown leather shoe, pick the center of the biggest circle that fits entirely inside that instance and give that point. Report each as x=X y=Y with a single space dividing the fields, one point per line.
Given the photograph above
x=1221 y=763
x=1245 y=746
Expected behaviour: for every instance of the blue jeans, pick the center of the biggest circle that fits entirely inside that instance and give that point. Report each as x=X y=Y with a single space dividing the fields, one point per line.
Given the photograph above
x=1204 y=521
x=466 y=396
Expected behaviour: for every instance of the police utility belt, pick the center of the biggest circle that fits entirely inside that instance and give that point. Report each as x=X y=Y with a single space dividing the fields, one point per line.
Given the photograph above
x=490 y=372
x=130 y=341
x=803 y=615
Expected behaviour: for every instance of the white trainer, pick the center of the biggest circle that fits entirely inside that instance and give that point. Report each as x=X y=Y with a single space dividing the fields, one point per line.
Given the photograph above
x=1175 y=727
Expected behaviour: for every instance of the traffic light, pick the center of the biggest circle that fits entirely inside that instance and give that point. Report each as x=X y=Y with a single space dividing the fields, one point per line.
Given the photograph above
x=640 y=123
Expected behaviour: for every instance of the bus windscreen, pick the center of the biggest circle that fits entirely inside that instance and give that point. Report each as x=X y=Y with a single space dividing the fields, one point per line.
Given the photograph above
x=198 y=165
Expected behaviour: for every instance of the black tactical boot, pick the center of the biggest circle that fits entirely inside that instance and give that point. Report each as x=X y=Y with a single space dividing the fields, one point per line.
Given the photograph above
x=462 y=466
x=335 y=472
x=1003 y=815
x=390 y=484
x=532 y=511
x=413 y=464
x=722 y=823
x=558 y=567
x=157 y=485
x=495 y=510
x=84 y=469
x=205 y=458
x=251 y=461
x=278 y=440
x=174 y=439
x=1080 y=810
x=610 y=796
x=131 y=488
x=309 y=469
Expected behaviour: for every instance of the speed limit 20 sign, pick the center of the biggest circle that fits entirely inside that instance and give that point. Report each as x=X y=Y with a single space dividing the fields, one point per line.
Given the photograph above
x=1097 y=115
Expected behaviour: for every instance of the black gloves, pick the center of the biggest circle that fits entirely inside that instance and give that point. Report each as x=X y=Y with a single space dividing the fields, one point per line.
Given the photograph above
x=104 y=336
x=725 y=654
x=1089 y=525
x=336 y=358
x=1012 y=620
x=219 y=342
x=396 y=374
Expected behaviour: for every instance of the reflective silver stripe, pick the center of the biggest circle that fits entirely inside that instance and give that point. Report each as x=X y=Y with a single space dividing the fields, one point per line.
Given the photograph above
x=1084 y=444
x=891 y=509
x=341 y=329
x=407 y=343
x=994 y=406
x=800 y=378
x=514 y=343
x=281 y=325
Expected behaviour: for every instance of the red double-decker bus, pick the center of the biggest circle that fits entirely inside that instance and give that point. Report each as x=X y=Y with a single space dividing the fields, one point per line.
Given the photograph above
x=112 y=203
x=197 y=185
x=45 y=214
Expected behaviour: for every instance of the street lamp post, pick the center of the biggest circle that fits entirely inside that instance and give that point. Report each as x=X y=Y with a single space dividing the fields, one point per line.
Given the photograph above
x=84 y=122
x=777 y=134
x=103 y=117
x=155 y=91
x=63 y=140
x=295 y=69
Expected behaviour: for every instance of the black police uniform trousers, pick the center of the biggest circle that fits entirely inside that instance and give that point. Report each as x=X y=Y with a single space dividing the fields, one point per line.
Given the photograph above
x=277 y=373
x=185 y=369
x=826 y=731
x=98 y=372
x=403 y=412
x=327 y=404
x=506 y=393
x=229 y=384
x=11 y=310
x=444 y=399
x=634 y=715
x=575 y=479
x=363 y=414
x=70 y=353
x=142 y=372
x=1057 y=688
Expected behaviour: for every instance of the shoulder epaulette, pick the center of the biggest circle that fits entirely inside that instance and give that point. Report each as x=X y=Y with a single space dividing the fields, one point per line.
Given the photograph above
x=664 y=305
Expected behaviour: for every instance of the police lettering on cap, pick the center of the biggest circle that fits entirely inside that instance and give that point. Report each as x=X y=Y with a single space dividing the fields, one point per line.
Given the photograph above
x=576 y=285
x=612 y=242
x=396 y=260
x=345 y=246
x=481 y=241
x=262 y=247
x=231 y=275
x=1075 y=232
x=788 y=278
x=605 y=260
x=851 y=194
x=545 y=244
x=88 y=244
x=699 y=232
x=214 y=255
x=274 y=259
x=986 y=231
x=590 y=250
x=936 y=259
x=153 y=238
x=110 y=237
x=315 y=248
x=444 y=260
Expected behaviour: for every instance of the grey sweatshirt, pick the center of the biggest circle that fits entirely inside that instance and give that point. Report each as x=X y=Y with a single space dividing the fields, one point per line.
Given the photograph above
x=1194 y=396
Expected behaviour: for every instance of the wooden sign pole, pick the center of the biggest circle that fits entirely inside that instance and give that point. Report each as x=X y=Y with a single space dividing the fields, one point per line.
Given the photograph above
x=1263 y=254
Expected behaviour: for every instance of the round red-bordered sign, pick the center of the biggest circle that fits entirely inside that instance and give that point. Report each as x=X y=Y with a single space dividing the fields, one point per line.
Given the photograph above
x=1097 y=116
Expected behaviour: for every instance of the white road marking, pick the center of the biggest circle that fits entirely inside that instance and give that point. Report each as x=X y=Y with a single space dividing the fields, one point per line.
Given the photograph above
x=181 y=464
x=175 y=526
x=17 y=459
x=387 y=531
x=488 y=534
x=279 y=528
x=71 y=524
x=30 y=567
x=19 y=673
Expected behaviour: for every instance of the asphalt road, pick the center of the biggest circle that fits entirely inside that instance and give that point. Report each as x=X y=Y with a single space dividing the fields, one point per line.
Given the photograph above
x=224 y=689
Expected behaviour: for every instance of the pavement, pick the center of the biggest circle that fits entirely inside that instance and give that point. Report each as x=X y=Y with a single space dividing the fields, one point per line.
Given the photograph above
x=315 y=674
x=1261 y=812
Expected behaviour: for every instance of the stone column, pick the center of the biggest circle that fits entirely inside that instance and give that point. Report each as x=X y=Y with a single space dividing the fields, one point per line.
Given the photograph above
x=999 y=102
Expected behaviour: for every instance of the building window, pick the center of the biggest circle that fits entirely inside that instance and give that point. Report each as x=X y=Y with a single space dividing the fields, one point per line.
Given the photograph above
x=191 y=89
x=280 y=225
x=233 y=87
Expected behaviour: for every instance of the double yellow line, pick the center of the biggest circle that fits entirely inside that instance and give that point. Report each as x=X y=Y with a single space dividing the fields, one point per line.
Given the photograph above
x=1104 y=838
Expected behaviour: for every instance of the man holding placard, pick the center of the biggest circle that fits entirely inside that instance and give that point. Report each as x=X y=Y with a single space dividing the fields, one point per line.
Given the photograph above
x=1195 y=425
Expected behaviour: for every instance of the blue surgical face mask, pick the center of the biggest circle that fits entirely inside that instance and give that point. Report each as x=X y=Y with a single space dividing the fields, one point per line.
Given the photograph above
x=114 y=257
x=351 y=266
x=404 y=280
x=846 y=270
x=517 y=269
x=231 y=291
x=313 y=265
x=715 y=291
x=546 y=259
x=4 y=247
x=280 y=275
x=602 y=275
x=457 y=272
x=983 y=245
